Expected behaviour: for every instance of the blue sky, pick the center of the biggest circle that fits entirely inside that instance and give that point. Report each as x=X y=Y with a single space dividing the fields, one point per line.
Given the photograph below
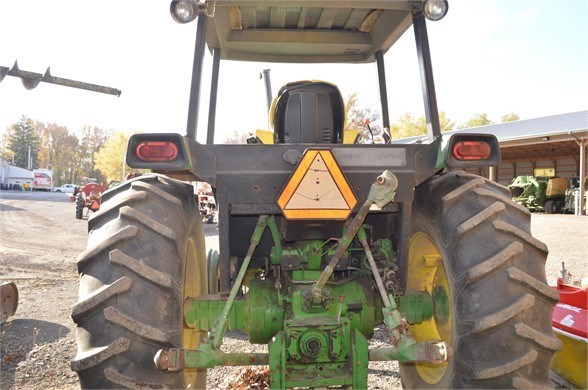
x=523 y=56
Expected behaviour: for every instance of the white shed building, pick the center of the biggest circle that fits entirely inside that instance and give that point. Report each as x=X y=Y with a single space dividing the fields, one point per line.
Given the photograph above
x=19 y=176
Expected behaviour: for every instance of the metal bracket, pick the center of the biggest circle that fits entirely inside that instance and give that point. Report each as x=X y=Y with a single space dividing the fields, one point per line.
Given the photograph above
x=427 y=352
x=169 y=359
x=381 y=193
x=217 y=333
x=177 y=359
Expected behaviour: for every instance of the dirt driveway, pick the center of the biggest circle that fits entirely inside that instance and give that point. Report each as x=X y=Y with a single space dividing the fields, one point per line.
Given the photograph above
x=40 y=240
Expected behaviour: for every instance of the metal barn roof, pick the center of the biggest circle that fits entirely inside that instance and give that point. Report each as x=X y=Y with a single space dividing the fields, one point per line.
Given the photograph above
x=561 y=124
x=548 y=137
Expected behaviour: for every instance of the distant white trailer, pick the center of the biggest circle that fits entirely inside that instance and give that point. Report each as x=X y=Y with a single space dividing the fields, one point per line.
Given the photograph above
x=42 y=180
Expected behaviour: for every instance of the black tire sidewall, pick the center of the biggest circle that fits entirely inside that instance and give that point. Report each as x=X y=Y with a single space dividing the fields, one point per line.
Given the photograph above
x=549 y=207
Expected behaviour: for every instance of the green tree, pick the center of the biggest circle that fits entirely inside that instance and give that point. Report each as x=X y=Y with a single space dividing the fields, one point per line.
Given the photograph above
x=58 y=151
x=445 y=123
x=22 y=139
x=510 y=117
x=110 y=158
x=5 y=153
x=408 y=126
x=477 y=120
x=92 y=139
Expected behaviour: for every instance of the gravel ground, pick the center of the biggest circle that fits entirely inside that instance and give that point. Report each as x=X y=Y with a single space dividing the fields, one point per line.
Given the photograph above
x=40 y=240
x=566 y=237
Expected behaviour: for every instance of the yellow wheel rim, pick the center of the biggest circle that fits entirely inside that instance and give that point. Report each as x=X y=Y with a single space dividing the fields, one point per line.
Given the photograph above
x=426 y=272
x=192 y=288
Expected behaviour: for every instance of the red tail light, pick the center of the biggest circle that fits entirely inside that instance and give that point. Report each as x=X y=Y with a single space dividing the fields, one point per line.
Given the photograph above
x=157 y=151
x=471 y=150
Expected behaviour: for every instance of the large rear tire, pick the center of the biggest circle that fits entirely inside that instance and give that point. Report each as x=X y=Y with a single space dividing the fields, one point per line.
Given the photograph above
x=549 y=207
x=559 y=206
x=145 y=256
x=79 y=207
x=471 y=248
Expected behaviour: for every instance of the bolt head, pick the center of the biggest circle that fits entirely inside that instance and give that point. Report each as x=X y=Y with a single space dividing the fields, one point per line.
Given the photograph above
x=161 y=359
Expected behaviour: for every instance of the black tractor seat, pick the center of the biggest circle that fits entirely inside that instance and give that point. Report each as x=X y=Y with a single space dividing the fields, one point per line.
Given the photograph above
x=308 y=112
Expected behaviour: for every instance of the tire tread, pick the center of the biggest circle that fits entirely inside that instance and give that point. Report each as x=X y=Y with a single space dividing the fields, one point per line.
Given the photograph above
x=545 y=292
x=115 y=203
x=101 y=295
x=115 y=316
x=160 y=278
x=506 y=368
x=504 y=315
x=123 y=234
x=546 y=341
x=449 y=199
x=134 y=214
x=487 y=267
x=152 y=189
x=98 y=355
x=510 y=229
x=479 y=218
x=116 y=377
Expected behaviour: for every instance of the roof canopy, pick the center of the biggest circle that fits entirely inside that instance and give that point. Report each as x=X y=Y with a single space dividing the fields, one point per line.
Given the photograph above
x=305 y=30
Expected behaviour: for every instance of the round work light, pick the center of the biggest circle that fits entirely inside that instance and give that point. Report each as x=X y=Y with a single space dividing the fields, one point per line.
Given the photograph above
x=435 y=9
x=183 y=11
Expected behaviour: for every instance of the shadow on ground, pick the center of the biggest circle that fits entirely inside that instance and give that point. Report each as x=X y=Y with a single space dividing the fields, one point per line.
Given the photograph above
x=19 y=337
x=5 y=207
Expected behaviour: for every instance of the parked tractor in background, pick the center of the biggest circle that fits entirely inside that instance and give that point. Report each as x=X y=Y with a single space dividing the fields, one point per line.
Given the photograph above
x=88 y=196
x=541 y=193
x=572 y=199
x=321 y=239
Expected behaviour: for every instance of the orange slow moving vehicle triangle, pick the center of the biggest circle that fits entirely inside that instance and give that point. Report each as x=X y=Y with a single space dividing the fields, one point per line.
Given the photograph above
x=317 y=189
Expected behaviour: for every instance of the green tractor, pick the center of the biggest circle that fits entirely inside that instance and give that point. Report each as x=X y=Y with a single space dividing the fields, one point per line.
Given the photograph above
x=548 y=194
x=322 y=239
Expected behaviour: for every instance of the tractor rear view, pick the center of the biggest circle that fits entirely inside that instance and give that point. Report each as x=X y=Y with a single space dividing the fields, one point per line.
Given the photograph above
x=322 y=238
